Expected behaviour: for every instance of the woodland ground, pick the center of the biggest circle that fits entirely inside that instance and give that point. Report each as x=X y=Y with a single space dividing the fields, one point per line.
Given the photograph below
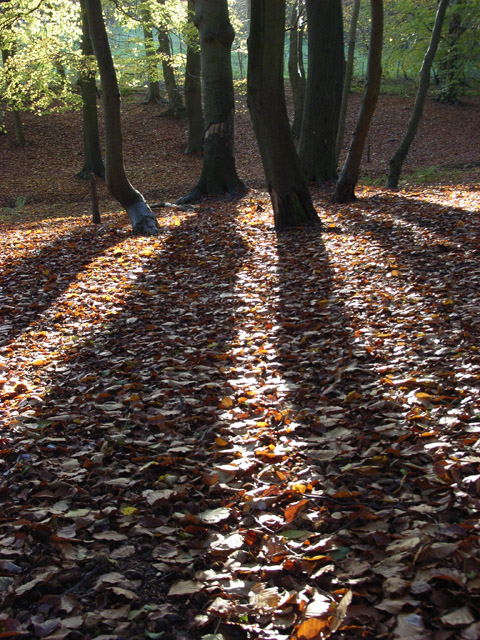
x=225 y=433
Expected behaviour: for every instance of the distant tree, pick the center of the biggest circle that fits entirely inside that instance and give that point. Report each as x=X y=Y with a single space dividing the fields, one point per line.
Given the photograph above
x=219 y=175
x=296 y=69
x=345 y=187
x=175 y=102
x=323 y=95
x=451 y=61
x=193 y=86
x=347 y=81
x=141 y=217
x=92 y=153
x=291 y=201
x=17 y=116
x=153 y=87
x=397 y=160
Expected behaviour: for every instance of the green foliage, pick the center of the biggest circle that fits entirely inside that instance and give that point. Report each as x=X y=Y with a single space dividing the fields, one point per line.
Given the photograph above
x=127 y=41
x=408 y=26
x=39 y=42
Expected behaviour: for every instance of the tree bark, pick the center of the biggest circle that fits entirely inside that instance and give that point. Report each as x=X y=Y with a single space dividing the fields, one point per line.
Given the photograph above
x=175 y=103
x=347 y=82
x=345 y=187
x=219 y=175
x=193 y=87
x=397 y=160
x=291 y=201
x=92 y=154
x=17 y=118
x=451 y=63
x=324 y=90
x=153 y=88
x=296 y=70
x=141 y=217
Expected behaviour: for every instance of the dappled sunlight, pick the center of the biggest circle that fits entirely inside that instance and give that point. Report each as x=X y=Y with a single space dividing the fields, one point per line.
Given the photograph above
x=264 y=429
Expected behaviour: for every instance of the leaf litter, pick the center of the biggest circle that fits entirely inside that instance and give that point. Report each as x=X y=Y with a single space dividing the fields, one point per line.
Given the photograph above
x=225 y=433
x=221 y=433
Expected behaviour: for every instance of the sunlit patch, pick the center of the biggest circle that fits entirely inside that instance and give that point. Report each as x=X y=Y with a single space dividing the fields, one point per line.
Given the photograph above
x=267 y=426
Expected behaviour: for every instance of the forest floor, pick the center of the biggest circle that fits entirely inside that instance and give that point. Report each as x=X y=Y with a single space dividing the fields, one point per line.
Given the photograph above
x=229 y=434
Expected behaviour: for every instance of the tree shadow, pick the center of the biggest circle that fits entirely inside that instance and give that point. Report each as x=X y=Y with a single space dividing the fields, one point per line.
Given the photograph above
x=32 y=284
x=235 y=376
x=430 y=255
x=134 y=407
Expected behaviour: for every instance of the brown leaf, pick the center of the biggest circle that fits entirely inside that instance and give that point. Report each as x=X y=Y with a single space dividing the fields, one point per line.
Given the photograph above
x=312 y=629
x=294 y=509
x=185 y=587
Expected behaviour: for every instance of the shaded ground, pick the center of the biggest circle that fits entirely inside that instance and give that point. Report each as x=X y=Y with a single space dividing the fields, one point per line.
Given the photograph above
x=226 y=434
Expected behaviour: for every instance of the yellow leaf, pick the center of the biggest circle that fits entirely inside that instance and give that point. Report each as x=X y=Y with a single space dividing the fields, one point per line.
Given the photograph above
x=299 y=488
x=129 y=511
x=40 y=362
x=221 y=442
x=227 y=403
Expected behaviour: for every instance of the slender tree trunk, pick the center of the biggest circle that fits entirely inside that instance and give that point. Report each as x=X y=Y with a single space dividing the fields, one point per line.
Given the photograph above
x=193 y=87
x=397 y=160
x=352 y=36
x=142 y=219
x=451 y=63
x=324 y=90
x=291 y=201
x=296 y=71
x=17 y=118
x=153 y=88
x=219 y=175
x=345 y=188
x=18 y=126
x=175 y=104
x=92 y=155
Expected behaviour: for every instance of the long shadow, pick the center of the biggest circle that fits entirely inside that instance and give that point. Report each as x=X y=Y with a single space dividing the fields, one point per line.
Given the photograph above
x=135 y=407
x=350 y=435
x=30 y=285
x=446 y=222
x=432 y=255
x=223 y=339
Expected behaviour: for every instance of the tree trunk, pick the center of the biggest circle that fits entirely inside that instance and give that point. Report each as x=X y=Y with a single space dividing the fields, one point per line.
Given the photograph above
x=19 y=133
x=219 y=175
x=345 y=188
x=291 y=201
x=451 y=63
x=175 y=104
x=397 y=160
x=324 y=90
x=92 y=154
x=347 y=82
x=17 y=118
x=141 y=216
x=153 y=88
x=296 y=71
x=193 y=87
